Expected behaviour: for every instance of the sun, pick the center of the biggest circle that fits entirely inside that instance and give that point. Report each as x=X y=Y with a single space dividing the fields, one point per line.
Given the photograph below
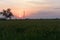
x=18 y=6
x=27 y=6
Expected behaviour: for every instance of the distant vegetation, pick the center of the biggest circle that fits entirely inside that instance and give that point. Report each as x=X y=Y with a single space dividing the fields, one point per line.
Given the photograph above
x=30 y=29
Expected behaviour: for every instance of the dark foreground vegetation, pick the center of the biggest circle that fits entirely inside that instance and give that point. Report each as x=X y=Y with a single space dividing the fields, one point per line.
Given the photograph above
x=30 y=29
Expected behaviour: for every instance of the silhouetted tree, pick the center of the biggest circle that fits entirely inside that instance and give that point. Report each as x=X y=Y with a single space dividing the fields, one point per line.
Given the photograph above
x=4 y=13
x=7 y=13
x=0 y=12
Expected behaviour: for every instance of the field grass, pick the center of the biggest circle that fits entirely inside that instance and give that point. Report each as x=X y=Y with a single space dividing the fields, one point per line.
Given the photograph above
x=30 y=29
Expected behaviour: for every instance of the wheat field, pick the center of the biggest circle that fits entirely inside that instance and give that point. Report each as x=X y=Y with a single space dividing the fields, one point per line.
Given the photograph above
x=33 y=29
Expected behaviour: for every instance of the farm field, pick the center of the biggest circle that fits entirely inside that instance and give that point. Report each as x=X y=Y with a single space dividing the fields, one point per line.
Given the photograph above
x=33 y=29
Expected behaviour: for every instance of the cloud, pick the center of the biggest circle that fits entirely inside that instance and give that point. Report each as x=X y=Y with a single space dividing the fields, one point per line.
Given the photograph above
x=46 y=14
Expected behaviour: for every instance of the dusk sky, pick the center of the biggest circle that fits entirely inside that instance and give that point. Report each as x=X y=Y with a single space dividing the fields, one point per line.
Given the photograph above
x=33 y=8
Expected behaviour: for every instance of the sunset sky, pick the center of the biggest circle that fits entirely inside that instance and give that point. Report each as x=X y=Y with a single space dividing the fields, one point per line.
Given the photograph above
x=33 y=8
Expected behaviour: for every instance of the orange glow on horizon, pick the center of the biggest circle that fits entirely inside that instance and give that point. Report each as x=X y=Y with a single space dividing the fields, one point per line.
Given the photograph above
x=19 y=12
x=19 y=6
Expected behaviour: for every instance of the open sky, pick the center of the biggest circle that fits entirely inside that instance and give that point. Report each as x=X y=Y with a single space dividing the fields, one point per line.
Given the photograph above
x=33 y=8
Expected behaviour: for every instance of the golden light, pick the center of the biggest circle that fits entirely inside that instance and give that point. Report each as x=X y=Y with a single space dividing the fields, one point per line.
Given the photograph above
x=29 y=6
